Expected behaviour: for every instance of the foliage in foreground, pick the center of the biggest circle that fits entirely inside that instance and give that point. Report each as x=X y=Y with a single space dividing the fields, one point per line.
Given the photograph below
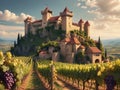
x=84 y=73
x=13 y=70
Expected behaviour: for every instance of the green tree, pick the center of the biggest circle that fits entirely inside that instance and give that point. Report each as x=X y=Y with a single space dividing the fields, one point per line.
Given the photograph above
x=79 y=57
x=14 y=43
x=100 y=46
x=106 y=53
x=18 y=39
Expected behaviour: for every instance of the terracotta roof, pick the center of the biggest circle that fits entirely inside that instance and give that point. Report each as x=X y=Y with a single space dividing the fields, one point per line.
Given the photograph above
x=81 y=47
x=87 y=23
x=75 y=24
x=67 y=10
x=80 y=22
x=66 y=40
x=73 y=40
x=37 y=21
x=53 y=19
x=95 y=41
x=43 y=52
x=94 y=50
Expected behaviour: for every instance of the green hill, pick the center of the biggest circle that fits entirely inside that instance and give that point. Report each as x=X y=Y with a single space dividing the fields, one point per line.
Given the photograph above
x=31 y=44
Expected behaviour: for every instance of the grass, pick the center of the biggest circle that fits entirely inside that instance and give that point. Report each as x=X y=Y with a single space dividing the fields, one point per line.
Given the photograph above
x=34 y=82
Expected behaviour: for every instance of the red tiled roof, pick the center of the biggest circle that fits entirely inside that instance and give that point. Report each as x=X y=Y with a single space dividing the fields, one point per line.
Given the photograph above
x=53 y=19
x=75 y=24
x=81 y=21
x=66 y=40
x=87 y=23
x=95 y=41
x=37 y=21
x=73 y=40
x=94 y=50
x=43 y=52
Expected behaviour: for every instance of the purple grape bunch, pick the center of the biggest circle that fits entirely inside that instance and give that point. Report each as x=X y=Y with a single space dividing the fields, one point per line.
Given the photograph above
x=110 y=82
x=9 y=80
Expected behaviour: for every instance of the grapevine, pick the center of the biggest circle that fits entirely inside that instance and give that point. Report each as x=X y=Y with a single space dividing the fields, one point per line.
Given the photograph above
x=13 y=70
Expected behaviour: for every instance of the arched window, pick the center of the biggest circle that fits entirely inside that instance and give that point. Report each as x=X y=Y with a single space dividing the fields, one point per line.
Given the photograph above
x=97 y=61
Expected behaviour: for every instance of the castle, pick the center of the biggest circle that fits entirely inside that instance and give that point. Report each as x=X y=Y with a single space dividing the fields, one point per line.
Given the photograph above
x=69 y=46
x=63 y=22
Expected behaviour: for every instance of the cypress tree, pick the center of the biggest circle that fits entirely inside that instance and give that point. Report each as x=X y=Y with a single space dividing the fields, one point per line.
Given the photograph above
x=106 y=53
x=14 y=43
x=100 y=46
x=18 y=39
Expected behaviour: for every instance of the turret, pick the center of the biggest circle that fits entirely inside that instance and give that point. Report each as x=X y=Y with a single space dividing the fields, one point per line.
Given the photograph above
x=81 y=24
x=46 y=15
x=87 y=28
x=27 y=22
x=66 y=19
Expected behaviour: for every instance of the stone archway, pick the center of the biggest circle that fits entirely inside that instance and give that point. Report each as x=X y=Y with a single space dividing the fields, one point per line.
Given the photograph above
x=97 y=61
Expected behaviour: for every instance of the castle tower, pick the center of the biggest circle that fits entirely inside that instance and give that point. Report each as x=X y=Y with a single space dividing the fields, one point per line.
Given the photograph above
x=87 y=28
x=81 y=24
x=46 y=15
x=66 y=20
x=27 y=22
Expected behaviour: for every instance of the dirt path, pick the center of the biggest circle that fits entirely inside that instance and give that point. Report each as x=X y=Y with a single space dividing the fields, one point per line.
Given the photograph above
x=25 y=81
x=32 y=82
x=62 y=85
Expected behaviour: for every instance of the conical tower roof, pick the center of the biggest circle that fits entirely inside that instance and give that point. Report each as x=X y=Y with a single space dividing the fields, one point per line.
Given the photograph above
x=87 y=23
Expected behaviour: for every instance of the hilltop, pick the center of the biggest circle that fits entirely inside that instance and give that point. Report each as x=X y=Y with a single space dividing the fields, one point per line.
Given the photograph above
x=59 y=38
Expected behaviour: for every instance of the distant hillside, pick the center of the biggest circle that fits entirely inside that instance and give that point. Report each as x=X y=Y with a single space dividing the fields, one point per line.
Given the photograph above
x=5 y=45
x=4 y=42
x=113 y=47
x=111 y=42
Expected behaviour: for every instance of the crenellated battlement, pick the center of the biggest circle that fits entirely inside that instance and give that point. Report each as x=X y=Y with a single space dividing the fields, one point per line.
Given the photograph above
x=64 y=21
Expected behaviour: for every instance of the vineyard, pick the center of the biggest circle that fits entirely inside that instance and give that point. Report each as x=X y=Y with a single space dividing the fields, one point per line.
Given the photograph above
x=49 y=75
x=13 y=70
x=85 y=77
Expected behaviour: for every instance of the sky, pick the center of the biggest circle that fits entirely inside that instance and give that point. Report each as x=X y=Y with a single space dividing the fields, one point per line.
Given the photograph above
x=103 y=15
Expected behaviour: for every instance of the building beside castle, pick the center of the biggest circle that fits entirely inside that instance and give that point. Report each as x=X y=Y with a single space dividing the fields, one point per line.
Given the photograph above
x=70 y=45
x=63 y=21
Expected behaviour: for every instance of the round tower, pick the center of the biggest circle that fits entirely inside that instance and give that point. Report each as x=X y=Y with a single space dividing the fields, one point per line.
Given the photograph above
x=87 y=28
x=81 y=24
x=27 y=22
x=66 y=20
x=46 y=15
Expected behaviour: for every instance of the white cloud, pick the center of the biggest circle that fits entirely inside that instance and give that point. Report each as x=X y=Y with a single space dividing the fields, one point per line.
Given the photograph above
x=7 y=15
x=106 y=22
x=84 y=7
x=78 y=4
x=10 y=32
x=90 y=3
x=107 y=7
